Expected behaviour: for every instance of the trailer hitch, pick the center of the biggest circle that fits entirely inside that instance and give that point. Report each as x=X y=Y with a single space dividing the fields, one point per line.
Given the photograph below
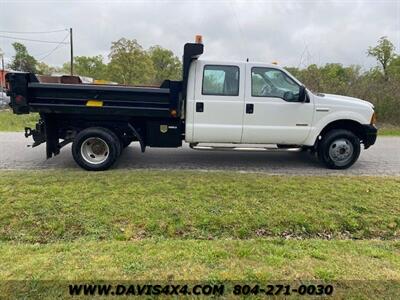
x=38 y=134
x=28 y=132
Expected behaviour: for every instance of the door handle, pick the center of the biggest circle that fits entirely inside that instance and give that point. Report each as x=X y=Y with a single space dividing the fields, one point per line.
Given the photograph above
x=249 y=108
x=199 y=106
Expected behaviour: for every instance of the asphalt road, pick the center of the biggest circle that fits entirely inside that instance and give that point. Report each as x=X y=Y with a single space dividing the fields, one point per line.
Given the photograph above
x=381 y=159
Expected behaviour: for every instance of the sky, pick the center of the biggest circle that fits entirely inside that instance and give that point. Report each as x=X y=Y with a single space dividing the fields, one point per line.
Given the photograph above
x=293 y=33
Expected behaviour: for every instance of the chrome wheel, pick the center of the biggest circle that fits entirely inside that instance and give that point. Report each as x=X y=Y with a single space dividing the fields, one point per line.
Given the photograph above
x=341 y=152
x=95 y=150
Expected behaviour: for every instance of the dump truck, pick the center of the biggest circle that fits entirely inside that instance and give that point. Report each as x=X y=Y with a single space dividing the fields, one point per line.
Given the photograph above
x=219 y=103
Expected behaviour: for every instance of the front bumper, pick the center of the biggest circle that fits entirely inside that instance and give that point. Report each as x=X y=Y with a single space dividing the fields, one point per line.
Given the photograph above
x=370 y=133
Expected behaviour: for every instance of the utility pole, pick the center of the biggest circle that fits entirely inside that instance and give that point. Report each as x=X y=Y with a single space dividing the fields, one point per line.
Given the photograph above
x=72 y=51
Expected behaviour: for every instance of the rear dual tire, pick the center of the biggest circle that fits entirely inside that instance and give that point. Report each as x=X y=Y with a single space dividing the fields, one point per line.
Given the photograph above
x=96 y=148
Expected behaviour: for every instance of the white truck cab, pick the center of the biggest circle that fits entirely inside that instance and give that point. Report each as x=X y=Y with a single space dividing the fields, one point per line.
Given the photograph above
x=256 y=103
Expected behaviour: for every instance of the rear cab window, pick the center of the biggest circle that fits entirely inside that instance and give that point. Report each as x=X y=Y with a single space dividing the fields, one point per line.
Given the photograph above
x=221 y=80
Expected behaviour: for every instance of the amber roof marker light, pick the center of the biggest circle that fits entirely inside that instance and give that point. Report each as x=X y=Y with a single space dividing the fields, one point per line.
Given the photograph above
x=198 y=39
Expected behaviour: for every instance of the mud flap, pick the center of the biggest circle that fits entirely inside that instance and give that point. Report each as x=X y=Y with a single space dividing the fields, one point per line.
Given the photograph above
x=137 y=135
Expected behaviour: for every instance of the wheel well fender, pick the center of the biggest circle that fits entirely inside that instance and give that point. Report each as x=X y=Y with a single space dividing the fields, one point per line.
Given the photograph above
x=350 y=125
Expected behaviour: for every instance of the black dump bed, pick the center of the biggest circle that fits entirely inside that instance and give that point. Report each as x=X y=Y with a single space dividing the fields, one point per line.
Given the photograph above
x=30 y=95
x=150 y=115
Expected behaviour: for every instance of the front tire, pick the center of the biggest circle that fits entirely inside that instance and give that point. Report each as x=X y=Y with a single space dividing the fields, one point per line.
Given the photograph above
x=96 y=149
x=339 y=149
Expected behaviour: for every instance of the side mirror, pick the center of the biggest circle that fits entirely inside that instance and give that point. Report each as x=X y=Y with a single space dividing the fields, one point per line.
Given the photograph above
x=302 y=94
x=289 y=96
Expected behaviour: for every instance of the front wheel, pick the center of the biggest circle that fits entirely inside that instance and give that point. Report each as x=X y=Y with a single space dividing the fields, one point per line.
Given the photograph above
x=96 y=148
x=339 y=149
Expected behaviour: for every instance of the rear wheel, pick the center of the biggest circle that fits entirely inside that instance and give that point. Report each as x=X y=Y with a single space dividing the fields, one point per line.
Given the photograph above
x=339 y=149
x=96 y=148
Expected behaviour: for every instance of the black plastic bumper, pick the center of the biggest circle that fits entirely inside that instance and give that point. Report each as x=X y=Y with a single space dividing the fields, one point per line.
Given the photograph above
x=370 y=132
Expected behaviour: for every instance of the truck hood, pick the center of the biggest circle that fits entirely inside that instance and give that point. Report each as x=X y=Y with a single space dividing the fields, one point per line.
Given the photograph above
x=343 y=100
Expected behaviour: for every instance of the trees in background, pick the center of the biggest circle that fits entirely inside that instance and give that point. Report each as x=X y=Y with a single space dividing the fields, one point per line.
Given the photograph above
x=44 y=69
x=379 y=85
x=22 y=60
x=129 y=63
x=330 y=78
x=165 y=63
x=383 y=52
x=393 y=68
x=90 y=66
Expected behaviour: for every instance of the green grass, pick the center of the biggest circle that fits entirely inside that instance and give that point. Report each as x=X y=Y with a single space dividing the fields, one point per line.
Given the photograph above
x=203 y=226
x=360 y=269
x=129 y=205
x=389 y=131
x=239 y=260
x=11 y=122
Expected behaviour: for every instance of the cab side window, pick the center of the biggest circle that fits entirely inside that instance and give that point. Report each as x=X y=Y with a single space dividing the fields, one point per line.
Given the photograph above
x=220 y=80
x=269 y=82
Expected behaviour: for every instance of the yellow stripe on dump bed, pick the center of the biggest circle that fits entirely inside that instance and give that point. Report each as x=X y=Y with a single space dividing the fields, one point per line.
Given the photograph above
x=94 y=103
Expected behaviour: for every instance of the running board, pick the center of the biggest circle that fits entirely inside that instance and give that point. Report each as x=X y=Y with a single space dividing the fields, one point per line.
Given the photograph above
x=238 y=148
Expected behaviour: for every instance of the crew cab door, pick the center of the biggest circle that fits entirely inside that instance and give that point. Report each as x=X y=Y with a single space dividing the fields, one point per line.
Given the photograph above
x=219 y=103
x=273 y=113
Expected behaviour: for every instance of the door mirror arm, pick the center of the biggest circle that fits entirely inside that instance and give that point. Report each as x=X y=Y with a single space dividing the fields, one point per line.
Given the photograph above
x=303 y=97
